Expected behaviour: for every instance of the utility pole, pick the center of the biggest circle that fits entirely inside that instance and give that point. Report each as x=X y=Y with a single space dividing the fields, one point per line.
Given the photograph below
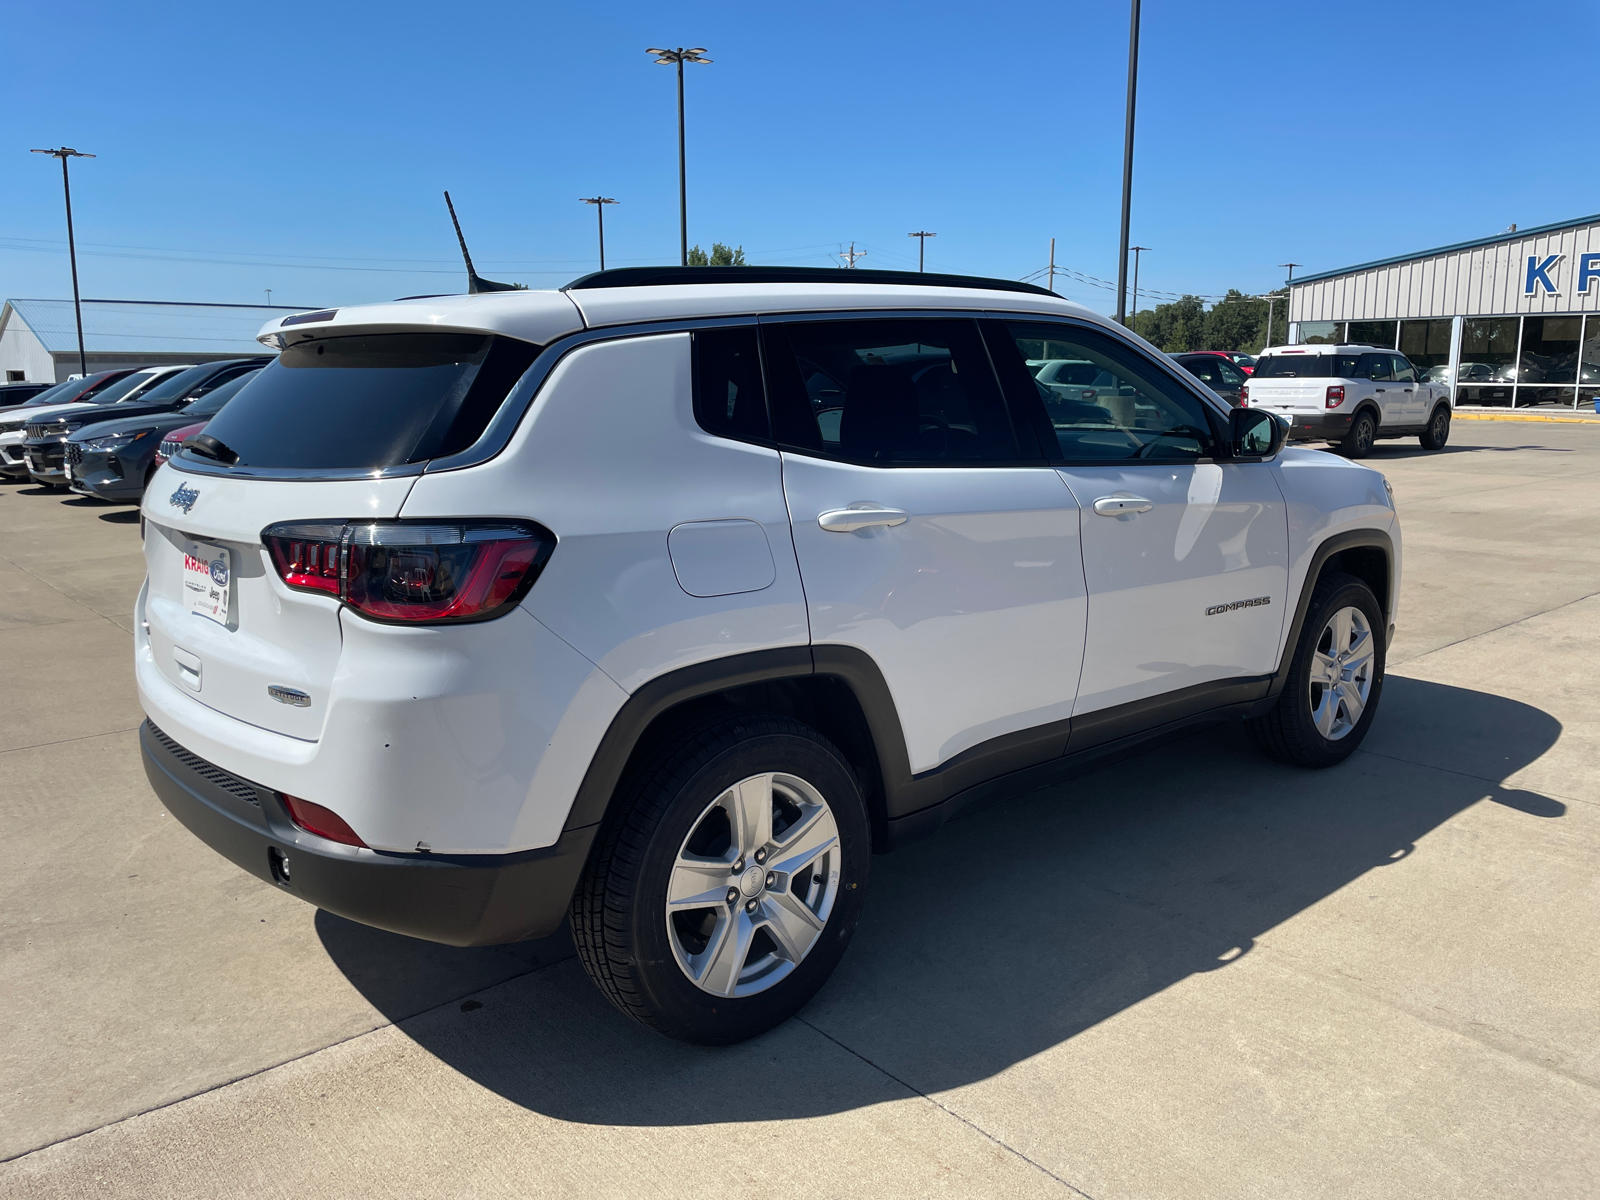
x=851 y=255
x=1271 y=300
x=1287 y=293
x=1134 y=320
x=600 y=203
x=1127 y=162
x=669 y=58
x=922 y=245
x=64 y=153
x=1052 y=264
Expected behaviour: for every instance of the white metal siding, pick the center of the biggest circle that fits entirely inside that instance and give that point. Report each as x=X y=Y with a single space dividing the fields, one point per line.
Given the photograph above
x=1480 y=281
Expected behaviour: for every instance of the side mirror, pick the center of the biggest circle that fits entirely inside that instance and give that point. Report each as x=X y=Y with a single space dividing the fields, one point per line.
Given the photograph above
x=1255 y=433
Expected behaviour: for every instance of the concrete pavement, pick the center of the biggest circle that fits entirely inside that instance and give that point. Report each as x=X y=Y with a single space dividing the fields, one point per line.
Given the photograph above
x=1196 y=973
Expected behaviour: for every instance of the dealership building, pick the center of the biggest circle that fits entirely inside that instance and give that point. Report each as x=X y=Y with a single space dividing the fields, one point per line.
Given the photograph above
x=39 y=338
x=1512 y=319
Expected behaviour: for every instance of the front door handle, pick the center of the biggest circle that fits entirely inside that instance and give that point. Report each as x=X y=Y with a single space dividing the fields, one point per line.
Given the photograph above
x=861 y=516
x=1117 y=506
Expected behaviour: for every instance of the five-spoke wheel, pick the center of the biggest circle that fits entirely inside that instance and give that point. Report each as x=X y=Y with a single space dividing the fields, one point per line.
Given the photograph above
x=726 y=882
x=753 y=884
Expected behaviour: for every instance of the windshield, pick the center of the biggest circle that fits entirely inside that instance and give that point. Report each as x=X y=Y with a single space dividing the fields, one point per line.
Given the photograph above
x=175 y=387
x=371 y=402
x=120 y=389
x=211 y=403
x=51 y=395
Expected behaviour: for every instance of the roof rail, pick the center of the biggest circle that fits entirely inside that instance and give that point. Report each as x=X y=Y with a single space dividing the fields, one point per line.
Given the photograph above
x=669 y=276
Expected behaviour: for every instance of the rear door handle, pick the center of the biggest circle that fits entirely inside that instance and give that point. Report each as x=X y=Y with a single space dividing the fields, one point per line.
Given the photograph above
x=861 y=516
x=1117 y=506
x=1378 y=389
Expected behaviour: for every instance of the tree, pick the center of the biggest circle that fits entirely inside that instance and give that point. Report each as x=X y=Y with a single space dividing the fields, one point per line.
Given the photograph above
x=720 y=256
x=1236 y=322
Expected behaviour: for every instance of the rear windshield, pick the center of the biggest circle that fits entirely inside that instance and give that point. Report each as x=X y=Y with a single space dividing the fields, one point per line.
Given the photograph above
x=211 y=403
x=175 y=387
x=369 y=402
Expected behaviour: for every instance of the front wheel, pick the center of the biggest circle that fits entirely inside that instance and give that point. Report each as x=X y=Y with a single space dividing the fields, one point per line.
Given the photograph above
x=1438 y=431
x=724 y=892
x=1358 y=442
x=1329 y=699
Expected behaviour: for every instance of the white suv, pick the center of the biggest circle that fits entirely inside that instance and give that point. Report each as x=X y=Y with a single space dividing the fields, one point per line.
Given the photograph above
x=1351 y=395
x=669 y=598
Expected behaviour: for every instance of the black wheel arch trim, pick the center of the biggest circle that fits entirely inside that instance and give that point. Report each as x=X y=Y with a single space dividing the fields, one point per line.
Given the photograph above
x=1331 y=545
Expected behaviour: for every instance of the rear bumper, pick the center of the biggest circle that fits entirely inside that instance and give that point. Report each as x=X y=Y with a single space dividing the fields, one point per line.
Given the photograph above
x=1318 y=426
x=460 y=900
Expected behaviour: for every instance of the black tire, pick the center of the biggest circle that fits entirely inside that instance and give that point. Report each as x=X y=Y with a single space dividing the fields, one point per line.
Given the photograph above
x=1363 y=432
x=1289 y=731
x=619 y=917
x=1438 y=431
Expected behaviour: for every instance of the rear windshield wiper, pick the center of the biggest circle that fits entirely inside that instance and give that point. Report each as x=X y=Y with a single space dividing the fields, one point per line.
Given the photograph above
x=207 y=446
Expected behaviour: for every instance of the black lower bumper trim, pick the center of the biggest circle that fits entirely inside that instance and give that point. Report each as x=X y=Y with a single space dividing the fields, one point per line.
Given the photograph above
x=460 y=900
x=1319 y=426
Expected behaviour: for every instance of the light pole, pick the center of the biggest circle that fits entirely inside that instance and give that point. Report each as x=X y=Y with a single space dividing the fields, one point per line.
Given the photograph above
x=1127 y=163
x=268 y=291
x=64 y=153
x=1288 y=292
x=1134 y=320
x=922 y=245
x=669 y=58
x=600 y=203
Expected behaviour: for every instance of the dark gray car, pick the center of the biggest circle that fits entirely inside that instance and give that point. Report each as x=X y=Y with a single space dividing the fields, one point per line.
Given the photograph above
x=115 y=459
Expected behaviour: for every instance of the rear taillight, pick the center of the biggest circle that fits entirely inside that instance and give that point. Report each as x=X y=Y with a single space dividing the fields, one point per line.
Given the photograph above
x=1244 y=395
x=1335 y=396
x=412 y=571
x=323 y=822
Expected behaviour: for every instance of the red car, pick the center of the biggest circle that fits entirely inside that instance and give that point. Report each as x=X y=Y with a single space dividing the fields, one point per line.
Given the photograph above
x=173 y=442
x=1245 y=362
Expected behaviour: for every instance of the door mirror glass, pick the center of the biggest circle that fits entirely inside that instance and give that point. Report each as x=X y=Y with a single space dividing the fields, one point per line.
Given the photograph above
x=1255 y=433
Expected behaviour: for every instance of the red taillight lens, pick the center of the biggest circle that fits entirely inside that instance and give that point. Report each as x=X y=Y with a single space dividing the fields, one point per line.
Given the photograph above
x=1244 y=395
x=413 y=571
x=1335 y=396
x=307 y=556
x=323 y=822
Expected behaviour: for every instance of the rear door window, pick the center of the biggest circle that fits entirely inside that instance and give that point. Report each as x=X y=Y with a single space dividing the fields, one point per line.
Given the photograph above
x=369 y=402
x=1374 y=367
x=886 y=393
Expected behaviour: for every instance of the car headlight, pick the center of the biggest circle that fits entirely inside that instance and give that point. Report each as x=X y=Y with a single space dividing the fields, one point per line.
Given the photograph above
x=116 y=441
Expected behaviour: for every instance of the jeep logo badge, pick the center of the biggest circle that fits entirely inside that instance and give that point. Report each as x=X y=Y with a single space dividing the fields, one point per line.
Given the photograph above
x=183 y=498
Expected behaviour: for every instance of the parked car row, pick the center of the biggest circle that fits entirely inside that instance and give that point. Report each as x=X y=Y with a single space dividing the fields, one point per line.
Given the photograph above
x=100 y=435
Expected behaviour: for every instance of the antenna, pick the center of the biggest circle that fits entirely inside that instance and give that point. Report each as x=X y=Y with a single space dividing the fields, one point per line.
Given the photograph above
x=475 y=283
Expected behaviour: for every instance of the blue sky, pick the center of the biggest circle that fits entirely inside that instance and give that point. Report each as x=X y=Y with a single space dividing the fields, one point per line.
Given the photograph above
x=304 y=148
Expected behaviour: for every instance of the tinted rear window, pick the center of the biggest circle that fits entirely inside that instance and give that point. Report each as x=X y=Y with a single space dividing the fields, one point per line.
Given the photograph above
x=1293 y=366
x=369 y=402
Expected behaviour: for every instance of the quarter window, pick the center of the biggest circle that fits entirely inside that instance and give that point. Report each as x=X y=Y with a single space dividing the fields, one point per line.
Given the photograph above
x=1118 y=403
x=729 y=399
x=888 y=393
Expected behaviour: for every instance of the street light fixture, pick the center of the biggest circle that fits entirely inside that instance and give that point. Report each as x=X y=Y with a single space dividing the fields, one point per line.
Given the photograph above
x=1127 y=162
x=64 y=153
x=922 y=245
x=678 y=57
x=600 y=203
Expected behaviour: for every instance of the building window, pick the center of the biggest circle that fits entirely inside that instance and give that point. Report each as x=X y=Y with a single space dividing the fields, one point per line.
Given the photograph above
x=1374 y=333
x=1427 y=345
x=16 y=377
x=1321 y=333
x=1589 y=365
x=1487 y=370
x=1549 y=356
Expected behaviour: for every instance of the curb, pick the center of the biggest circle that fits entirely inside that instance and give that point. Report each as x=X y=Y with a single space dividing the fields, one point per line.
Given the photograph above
x=1575 y=419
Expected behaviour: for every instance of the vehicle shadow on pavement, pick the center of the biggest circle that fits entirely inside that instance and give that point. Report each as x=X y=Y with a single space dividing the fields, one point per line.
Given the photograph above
x=1010 y=931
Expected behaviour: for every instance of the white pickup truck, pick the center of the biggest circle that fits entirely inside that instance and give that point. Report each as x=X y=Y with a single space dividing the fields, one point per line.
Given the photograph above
x=1351 y=395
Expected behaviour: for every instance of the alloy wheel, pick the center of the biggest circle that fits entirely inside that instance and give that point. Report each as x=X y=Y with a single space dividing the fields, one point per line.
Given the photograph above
x=1341 y=673
x=753 y=885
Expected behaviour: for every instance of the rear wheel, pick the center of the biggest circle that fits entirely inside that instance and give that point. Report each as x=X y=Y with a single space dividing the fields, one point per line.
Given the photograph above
x=723 y=894
x=1438 y=431
x=1335 y=678
x=1358 y=442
